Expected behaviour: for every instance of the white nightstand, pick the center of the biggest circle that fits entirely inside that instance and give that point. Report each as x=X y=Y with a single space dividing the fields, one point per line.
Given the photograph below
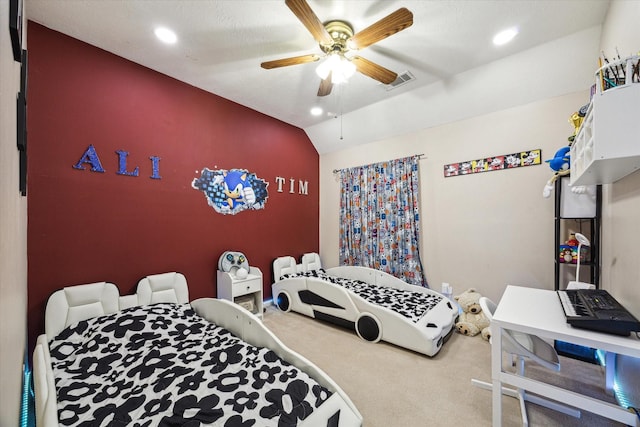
x=245 y=292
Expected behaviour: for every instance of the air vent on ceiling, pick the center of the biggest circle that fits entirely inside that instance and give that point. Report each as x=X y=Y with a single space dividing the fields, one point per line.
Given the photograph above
x=402 y=79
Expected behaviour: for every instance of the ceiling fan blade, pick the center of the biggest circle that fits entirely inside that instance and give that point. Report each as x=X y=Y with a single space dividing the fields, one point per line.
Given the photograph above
x=325 y=86
x=290 y=61
x=387 y=26
x=305 y=14
x=373 y=70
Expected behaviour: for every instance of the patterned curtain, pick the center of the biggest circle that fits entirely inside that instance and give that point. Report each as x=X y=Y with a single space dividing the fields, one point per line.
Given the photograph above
x=379 y=220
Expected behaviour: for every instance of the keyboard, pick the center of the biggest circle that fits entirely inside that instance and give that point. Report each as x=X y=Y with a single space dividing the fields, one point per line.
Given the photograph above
x=597 y=310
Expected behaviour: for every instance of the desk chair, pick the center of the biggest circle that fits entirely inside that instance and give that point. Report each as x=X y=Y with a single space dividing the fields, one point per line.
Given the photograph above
x=521 y=346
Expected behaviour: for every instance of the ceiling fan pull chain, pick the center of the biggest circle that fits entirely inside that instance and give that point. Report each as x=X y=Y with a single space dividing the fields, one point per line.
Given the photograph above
x=339 y=96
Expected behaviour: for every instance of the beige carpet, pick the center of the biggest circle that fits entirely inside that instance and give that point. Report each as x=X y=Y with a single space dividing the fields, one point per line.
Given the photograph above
x=394 y=387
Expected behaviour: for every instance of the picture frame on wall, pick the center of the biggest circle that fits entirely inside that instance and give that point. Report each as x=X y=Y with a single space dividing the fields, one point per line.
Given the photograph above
x=23 y=173
x=15 y=28
x=21 y=105
x=24 y=72
x=21 y=131
x=21 y=122
x=21 y=128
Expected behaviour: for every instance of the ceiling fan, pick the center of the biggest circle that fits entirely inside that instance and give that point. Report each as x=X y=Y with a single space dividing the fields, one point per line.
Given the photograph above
x=336 y=38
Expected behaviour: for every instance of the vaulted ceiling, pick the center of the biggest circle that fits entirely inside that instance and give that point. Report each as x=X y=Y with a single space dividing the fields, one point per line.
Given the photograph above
x=456 y=69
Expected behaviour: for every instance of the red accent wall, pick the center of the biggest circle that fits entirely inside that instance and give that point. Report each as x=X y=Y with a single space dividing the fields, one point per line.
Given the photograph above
x=86 y=226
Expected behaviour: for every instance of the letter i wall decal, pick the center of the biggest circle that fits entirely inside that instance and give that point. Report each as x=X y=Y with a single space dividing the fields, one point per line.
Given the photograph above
x=303 y=186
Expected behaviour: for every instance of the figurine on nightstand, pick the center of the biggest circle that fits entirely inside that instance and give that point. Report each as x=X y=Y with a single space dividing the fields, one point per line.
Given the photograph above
x=234 y=263
x=240 y=283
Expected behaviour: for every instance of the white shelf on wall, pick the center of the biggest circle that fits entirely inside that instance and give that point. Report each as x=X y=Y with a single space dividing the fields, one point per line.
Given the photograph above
x=607 y=146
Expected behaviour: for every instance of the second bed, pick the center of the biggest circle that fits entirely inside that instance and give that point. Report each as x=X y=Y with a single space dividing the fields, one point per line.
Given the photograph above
x=378 y=306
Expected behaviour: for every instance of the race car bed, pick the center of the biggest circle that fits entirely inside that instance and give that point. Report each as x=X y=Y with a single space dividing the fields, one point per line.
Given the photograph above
x=153 y=359
x=380 y=307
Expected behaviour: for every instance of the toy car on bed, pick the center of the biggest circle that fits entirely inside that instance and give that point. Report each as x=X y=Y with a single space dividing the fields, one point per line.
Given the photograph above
x=378 y=306
x=153 y=359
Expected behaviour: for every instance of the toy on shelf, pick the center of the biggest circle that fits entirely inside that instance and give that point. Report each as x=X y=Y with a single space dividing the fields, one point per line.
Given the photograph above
x=561 y=161
x=560 y=164
x=576 y=120
x=572 y=240
x=569 y=251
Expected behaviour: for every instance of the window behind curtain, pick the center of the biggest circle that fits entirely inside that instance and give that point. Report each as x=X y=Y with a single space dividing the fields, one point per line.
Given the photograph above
x=379 y=220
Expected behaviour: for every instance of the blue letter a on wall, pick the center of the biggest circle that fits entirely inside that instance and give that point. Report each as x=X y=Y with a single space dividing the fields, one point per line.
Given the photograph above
x=90 y=156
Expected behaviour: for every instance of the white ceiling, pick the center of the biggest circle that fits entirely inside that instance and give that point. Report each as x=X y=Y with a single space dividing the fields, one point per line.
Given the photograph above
x=222 y=43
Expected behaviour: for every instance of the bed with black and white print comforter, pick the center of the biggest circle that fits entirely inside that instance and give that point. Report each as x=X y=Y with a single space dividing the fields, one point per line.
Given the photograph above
x=411 y=305
x=163 y=365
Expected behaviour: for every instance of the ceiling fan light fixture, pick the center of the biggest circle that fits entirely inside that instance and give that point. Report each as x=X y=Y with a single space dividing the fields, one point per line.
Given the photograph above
x=325 y=67
x=338 y=66
x=337 y=38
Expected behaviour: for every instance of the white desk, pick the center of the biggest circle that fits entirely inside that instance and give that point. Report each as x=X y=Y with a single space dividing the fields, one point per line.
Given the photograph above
x=539 y=312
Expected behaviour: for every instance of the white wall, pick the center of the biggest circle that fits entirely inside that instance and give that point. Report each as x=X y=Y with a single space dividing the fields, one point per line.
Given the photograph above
x=483 y=230
x=13 y=237
x=494 y=228
x=621 y=207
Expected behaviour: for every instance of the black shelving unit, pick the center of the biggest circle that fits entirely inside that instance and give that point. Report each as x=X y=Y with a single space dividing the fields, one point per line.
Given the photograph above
x=589 y=226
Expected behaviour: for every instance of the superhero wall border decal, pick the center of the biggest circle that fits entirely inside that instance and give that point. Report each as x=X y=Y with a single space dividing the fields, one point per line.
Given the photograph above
x=504 y=161
x=232 y=191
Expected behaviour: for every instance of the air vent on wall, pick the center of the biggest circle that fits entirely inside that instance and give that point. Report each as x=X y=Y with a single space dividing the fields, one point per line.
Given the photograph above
x=402 y=79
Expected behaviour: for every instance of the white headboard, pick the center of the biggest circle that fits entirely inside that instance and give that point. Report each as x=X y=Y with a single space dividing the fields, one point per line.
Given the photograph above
x=283 y=265
x=287 y=265
x=311 y=262
x=164 y=287
x=75 y=303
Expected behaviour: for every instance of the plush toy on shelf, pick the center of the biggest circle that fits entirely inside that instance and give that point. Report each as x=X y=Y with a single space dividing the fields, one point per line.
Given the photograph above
x=472 y=320
x=561 y=161
x=560 y=164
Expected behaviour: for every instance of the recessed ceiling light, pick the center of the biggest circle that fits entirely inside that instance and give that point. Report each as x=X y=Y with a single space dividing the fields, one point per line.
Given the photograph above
x=505 y=36
x=316 y=111
x=166 y=35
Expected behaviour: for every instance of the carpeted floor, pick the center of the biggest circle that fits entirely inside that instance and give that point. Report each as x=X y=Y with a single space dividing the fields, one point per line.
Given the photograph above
x=394 y=387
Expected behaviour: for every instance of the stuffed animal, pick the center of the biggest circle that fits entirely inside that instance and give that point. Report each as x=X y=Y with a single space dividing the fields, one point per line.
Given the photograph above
x=561 y=161
x=472 y=320
x=560 y=164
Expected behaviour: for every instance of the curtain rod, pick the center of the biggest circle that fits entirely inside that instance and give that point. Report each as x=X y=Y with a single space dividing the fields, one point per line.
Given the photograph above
x=419 y=156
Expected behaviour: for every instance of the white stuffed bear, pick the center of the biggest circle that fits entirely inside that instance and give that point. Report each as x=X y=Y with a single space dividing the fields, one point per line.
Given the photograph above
x=472 y=321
